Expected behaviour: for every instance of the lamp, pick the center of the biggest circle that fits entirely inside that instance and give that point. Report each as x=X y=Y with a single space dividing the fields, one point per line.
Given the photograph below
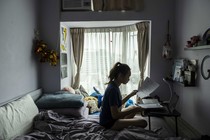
x=168 y=82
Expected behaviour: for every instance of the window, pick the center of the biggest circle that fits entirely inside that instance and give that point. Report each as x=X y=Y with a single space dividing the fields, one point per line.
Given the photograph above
x=103 y=47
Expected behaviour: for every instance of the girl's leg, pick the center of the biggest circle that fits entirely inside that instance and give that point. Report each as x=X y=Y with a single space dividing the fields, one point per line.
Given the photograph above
x=130 y=115
x=123 y=123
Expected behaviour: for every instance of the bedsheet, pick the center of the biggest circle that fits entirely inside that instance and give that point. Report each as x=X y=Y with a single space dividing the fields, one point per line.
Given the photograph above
x=49 y=125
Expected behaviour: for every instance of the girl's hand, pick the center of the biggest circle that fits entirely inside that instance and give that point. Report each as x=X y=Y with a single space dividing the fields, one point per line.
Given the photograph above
x=133 y=92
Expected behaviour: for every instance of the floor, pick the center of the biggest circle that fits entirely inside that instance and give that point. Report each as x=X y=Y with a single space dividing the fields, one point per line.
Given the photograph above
x=160 y=126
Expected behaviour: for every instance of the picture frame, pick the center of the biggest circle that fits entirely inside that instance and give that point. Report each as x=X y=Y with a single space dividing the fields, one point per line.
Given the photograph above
x=185 y=71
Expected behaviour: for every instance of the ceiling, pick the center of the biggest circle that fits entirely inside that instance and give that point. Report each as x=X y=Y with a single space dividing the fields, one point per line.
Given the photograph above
x=89 y=24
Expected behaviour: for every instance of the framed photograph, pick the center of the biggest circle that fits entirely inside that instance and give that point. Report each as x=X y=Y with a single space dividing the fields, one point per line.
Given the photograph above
x=178 y=68
x=64 y=72
x=185 y=71
x=177 y=73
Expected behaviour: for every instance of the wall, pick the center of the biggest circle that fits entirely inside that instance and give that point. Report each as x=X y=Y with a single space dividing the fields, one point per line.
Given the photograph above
x=19 y=69
x=159 y=12
x=49 y=32
x=192 y=18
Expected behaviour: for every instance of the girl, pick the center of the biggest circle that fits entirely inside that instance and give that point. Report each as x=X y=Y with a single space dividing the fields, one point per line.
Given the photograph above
x=112 y=115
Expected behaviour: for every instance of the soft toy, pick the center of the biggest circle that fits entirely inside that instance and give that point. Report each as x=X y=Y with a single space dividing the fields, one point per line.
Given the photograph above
x=90 y=98
x=92 y=104
x=97 y=95
x=129 y=103
x=193 y=41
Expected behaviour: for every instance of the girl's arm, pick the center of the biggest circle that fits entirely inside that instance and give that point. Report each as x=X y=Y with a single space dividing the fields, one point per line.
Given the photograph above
x=129 y=96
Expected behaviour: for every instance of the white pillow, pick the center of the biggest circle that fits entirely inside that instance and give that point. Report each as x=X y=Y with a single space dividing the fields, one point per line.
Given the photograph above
x=16 y=118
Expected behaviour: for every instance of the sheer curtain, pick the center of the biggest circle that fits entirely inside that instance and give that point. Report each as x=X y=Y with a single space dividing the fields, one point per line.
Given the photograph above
x=103 y=47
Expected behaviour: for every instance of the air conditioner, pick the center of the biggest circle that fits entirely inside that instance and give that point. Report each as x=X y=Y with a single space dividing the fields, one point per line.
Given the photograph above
x=77 y=5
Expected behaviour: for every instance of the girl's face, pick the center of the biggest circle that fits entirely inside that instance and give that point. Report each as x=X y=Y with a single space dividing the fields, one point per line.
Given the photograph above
x=126 y=78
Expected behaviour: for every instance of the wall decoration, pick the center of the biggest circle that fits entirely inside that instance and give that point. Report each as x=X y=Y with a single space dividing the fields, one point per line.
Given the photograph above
x=63 y=48
x=206 y=77
x=45 y=54
x=63 y=39
x=63 y=72
x=167 y=50
x=185 y=71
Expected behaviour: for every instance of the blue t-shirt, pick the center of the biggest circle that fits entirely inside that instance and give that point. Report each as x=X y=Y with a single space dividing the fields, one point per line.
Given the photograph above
x=112 y=97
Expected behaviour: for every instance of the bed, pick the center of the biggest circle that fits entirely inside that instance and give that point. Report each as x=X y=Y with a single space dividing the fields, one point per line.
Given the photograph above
x=49 y=124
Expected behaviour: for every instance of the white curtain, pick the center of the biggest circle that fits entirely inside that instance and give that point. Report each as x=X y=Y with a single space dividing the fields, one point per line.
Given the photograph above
x=103 y=47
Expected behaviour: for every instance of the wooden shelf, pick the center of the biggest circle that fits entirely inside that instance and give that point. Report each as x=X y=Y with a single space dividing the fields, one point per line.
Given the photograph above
x=198 y=47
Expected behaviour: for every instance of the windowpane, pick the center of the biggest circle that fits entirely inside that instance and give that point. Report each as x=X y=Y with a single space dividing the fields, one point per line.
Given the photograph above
x=102 y=49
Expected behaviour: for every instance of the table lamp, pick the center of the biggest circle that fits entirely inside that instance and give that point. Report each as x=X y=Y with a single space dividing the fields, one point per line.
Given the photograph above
x=169 y=83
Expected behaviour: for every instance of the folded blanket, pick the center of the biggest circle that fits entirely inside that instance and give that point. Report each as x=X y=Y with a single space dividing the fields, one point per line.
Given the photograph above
x=60 y=100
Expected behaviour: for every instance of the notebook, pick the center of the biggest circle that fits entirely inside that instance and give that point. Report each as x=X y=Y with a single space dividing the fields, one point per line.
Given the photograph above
x=155 y=104
x=150 y=104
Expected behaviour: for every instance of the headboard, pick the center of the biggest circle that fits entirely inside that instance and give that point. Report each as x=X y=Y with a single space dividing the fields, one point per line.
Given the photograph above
x=35 y=94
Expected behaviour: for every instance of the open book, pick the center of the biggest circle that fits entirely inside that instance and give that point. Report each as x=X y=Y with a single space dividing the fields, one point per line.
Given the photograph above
x=150 y=104
x=147 y=87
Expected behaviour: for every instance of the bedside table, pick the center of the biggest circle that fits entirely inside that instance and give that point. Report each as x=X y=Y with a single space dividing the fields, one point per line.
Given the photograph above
x=163 y=113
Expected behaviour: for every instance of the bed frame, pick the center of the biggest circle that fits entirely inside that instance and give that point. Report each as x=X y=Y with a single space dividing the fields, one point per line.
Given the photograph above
x=35 y=94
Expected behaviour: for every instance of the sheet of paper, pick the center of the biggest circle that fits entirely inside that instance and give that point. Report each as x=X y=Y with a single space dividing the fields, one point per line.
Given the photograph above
x=148 y=86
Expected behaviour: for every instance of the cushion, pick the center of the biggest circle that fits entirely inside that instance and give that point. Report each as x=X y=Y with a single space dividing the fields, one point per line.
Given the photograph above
x=59 y=100
x=16 y=118
x=75 y=112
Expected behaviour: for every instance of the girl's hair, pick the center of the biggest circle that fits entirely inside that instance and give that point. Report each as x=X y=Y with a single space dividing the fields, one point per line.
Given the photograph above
x=117 y=69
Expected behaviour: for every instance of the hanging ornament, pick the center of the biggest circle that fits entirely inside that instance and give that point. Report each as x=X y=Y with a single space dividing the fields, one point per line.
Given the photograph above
x=167 y=50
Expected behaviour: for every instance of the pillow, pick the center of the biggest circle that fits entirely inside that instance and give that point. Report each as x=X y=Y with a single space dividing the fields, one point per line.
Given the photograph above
x=59 y=100
x=16 y=118
x=75 y=112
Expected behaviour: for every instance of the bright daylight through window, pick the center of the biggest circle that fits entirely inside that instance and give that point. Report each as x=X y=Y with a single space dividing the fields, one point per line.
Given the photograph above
x=103 y=47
